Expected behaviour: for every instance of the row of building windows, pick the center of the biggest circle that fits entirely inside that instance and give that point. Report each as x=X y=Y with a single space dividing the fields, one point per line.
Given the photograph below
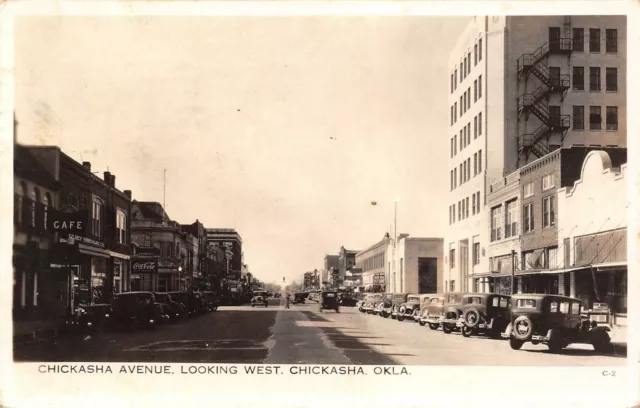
x=595 y=118
x=26 y=207
x=465 y=170
x=465 y=100
x=463 y=208
x=504 y=218
x=595 y=78
x=373 y=262
x=595 y=39
x=475 y=257
x=465 y=65
x=465 y=135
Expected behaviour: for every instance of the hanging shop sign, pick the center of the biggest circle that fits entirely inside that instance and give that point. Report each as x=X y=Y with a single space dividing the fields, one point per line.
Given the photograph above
x=144 y=266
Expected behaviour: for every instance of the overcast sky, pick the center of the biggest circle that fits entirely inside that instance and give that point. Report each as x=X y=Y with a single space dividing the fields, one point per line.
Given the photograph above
x=285 y=128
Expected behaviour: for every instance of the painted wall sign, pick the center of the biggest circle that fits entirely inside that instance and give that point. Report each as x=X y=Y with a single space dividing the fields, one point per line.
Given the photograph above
x=70 y=222
x=144 y=266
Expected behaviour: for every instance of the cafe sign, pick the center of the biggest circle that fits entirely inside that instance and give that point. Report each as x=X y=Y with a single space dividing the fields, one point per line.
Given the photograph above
x=68 y=221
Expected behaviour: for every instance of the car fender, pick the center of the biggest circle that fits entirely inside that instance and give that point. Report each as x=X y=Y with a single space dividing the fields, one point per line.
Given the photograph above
x=507 y=331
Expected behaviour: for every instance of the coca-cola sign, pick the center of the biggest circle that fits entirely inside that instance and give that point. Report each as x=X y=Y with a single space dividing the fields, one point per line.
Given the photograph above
x=144 y=266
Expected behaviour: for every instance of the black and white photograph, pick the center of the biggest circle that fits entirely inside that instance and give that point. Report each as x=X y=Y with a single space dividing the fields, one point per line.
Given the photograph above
x=320 y=191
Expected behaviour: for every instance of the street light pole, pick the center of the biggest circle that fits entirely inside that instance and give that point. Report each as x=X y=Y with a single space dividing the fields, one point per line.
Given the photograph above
x=513 y=271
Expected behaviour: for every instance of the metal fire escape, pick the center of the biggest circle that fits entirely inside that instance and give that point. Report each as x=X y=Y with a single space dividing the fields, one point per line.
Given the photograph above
x=536 y=102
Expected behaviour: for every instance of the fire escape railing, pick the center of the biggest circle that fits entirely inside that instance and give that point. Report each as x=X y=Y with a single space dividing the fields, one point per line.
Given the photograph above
x=536 y=102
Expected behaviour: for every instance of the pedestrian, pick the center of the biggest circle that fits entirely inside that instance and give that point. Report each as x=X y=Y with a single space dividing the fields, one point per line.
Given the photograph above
x=288 y=297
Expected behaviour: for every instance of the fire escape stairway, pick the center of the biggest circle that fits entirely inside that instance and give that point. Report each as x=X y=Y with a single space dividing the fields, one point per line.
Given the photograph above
x=528 y=60
x=535 y=142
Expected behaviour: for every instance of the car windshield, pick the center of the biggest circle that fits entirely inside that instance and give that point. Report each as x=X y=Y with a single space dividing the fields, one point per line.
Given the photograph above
x=413 y=299
x=436 y=301
x=526 y=303
x=261 y=293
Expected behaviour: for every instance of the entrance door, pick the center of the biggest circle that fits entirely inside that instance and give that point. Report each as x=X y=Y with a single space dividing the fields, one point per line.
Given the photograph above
x=554 y=38
x=427 y=275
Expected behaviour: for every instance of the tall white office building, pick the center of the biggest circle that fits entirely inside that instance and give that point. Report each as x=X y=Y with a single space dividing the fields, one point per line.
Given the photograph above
x=520 y=87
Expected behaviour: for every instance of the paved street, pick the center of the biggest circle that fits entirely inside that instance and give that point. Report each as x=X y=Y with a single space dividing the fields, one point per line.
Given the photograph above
x=302 y=334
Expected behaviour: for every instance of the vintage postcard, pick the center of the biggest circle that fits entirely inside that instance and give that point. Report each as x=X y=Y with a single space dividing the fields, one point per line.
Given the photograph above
x=377 y=202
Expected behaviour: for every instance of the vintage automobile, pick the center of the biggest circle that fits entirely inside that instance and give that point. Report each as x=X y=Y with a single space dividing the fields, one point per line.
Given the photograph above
x=259 y=299
x=370 y=301
x=135 y=309
x=433 y=313
x=176 y=310
x=410 y=308
x=211 y=300
x=191 y=300
x=329 y=300
x=555 y=321
x=397 y=299
x=299 y=298
x=484 y=313
x=452 y=311
x=384 y=305
x=424 y=301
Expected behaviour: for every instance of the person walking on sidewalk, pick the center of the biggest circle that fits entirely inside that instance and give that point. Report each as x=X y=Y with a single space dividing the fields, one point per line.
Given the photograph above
x=287 y=300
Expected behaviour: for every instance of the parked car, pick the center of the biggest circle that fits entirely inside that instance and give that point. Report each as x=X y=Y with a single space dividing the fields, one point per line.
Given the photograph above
x=211 y=300
x=191 y=300
x=424 y=301
x=555 y=321
x=260 y=299
x=135 y=309
x=87 y=318
x=370 y=301
x=434 y=312
x=396 y=300
x=175 y=310
x=384 y=305
x=410 y=308
x=484 y=313
x=452 y=311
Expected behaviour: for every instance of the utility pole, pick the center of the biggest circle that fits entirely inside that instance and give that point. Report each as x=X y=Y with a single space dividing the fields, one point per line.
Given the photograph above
x=513 y=271
x=164 y=192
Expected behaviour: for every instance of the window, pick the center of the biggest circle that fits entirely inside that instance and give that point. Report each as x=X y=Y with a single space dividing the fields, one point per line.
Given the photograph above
x=578 y=78
x=475 y=90
x=473 y=202
x=480 y=161
x=594 y=78
x=594 y=40
x=612 y=40
x=96 y=221
x=459 y=211
x=451 y=116
x=578 y=118
x=475 y=55
x=578 y=39
x=451 y=147
x=452 y=83
x=478 y=200
x=564 y=307
x=480 y=124
x=552 y=258
x=450 y=222
x=35 y=199
x=554 y=115
x=461 y=106
x=47 y=204
x=475 y=164
x=455 y=112
x=452 y=258
x=496 y=222
x=526 y=304
x=475 y=127
x=461 y=174
x=469 y=133
x=121 y=227
x=612 y=118
x=527 y=218
x=469 y=64
x=553 y=307
x=453 y=212
x=480 y=87
x=469 y=98
x=461 y=140
x=453 y=286
x=548 y=212
x=554 y=76
x=455 y=177
x=575 y=308
x=547 y=182
x=612 y=79
x=480 y=49
x=464 y=102
x=455 y=79
x=469 y=168
x=476 y=253
x=595 y=117
x=466 y=207
x=465 y=67
x=528 y=190
x=455 y=144
x=461 y=73
x=510 y=225
x=554 y=38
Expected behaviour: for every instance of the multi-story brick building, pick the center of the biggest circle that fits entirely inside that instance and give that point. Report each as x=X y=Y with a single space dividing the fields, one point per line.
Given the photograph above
x=159 y=247
x=346 y=261
x=99 y=253
x=520 y=87
x=206 y=273
x=231 y=243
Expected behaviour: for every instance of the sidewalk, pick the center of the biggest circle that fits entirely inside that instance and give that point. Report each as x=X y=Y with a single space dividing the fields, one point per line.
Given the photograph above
x=28 y=330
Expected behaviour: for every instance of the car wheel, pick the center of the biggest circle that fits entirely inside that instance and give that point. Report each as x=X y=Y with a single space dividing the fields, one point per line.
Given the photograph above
x=467 y=331
x=400 y=317
x=422 y=323
x=522 y=328
x=446 y=329
x=515 y=343
x=472 y=317
x=433 y=326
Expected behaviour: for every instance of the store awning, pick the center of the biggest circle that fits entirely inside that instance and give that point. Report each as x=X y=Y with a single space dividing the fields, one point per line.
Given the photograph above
x=87 y=250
